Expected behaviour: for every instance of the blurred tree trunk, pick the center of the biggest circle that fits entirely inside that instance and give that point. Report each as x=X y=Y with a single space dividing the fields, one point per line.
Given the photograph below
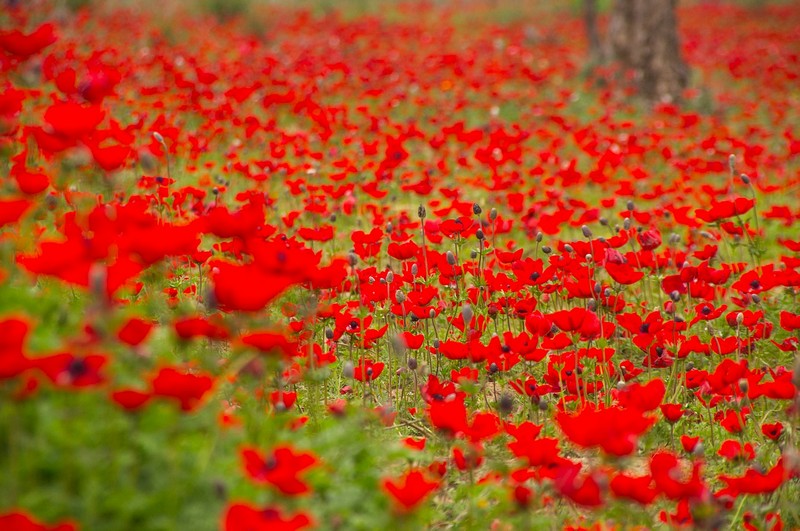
x=596 y=50
x=643 y=38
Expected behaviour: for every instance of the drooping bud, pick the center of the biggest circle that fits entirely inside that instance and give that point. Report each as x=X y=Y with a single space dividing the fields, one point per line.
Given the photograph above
x=466 y=314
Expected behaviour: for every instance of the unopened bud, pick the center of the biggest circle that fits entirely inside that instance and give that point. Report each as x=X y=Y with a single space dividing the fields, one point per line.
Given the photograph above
x=739 y=318
x=546 y=249
x=626 y=224
x=732 y=163
x=630 y=206
x=466 y=314
x=586 y=232
x=400 y=296
x=539 y=237
x=493 y=214
x=745 y=179
x=159 y=138
x=451 y=258
x=568 y=248
x=421 y=212
x=476 y=209
x=348 y=369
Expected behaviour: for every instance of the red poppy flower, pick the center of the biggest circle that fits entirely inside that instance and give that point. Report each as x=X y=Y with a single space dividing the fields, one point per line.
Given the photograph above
x=772 y=431
x=23 y=46
x=367 y=370
x=20 y=521
x=187 y=389
x=73 y=120
x=281 y=468
x=243 y=517
x=725 y=209
x=409 y=490
x=12 y=210
x=135 y=331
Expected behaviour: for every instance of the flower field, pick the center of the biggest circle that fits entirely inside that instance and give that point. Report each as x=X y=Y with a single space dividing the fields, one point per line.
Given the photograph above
x=394 y=266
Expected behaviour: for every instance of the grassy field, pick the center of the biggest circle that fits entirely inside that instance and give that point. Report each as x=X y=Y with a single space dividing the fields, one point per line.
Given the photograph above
x=394 y=265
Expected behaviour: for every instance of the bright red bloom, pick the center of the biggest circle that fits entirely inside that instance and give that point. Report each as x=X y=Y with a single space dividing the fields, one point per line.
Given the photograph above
x=186 y=388
x=23 y=46
x=725 y=209
x=636 y=488
x=409 y=490
x=243 y=517
x=12 y=210
x=20 y=521
x=672 y=412
x=281 y=468
x=135 y=331
x=367 y=370
x=772 y=431
x=614 y=429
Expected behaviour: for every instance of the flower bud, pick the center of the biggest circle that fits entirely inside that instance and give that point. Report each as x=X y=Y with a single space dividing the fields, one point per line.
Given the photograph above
x=451 y=258
x=348 y=369
x=493 y=214
x=476 y=209
x=421 y=212
x=586 y=232
x=466 y=314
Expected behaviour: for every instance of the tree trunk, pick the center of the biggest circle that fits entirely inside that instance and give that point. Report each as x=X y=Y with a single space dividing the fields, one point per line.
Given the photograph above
x=643 y=37
x=596 y=52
